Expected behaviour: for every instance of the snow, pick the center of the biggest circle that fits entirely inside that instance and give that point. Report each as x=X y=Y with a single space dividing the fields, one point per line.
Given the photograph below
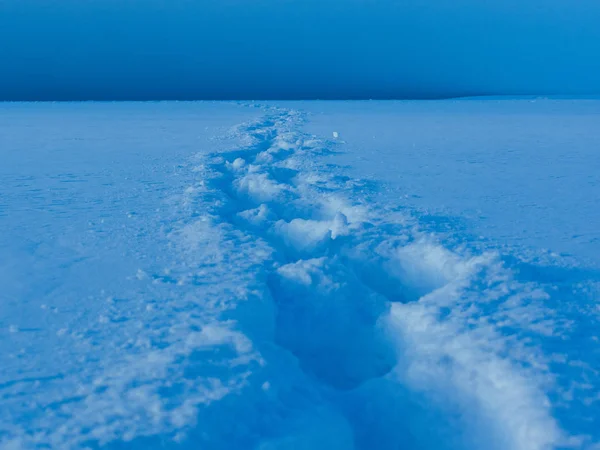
x=516 y=171
x=214 y=275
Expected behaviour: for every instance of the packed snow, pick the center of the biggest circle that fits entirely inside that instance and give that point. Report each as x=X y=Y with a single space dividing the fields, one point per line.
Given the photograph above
x=299 y=276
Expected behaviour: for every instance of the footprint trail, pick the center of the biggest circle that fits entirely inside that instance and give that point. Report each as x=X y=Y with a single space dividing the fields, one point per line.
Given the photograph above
x=383 y=322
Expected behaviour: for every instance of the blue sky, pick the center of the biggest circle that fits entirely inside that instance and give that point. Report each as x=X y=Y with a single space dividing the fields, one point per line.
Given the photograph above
x=280 y=49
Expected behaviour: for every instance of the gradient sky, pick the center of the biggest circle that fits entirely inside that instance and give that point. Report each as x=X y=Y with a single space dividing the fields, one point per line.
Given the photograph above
x=282 y=49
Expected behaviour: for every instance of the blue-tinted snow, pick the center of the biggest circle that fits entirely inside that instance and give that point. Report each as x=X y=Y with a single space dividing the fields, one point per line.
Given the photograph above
x=518 y=171
x=229 y=276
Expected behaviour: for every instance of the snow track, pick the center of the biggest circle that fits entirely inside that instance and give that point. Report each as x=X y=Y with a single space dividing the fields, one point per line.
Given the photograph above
x=286 y=309
x=356 y=293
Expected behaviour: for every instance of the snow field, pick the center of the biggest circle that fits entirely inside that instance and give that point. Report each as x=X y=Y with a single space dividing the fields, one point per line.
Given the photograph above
x=281 y=304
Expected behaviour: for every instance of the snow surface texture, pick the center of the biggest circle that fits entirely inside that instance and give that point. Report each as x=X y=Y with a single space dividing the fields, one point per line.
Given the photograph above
x=517 y=172
x=280 y=304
